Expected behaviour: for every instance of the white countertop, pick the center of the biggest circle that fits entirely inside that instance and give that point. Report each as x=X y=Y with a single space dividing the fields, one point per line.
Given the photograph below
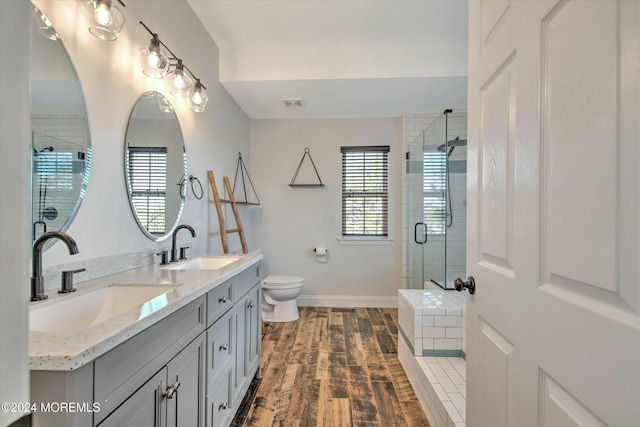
x=57 y=351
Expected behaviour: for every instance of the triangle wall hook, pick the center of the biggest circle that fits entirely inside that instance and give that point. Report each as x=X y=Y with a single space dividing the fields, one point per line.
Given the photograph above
x=241 y=169
x=307 y=152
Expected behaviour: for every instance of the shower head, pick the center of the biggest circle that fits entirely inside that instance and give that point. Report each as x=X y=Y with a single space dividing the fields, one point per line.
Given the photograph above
x=452 y=144
x=36 y=152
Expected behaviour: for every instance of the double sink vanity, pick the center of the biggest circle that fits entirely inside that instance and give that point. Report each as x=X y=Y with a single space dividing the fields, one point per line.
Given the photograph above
x=174 y=345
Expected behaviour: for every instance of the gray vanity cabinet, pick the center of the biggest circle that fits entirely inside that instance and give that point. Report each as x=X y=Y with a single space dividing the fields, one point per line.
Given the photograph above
x=144 y=408
x=246 y=320
x=186 y=372
x=161 y=402
x=232 y=367
x=191 y=368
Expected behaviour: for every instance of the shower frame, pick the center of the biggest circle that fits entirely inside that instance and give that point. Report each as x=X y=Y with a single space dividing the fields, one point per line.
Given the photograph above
x=436 y=251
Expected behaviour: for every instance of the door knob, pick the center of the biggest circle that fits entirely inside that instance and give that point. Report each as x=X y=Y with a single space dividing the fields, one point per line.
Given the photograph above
x=470 y=284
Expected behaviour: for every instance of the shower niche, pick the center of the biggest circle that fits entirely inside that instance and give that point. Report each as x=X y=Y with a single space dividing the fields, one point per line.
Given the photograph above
x=436 y=186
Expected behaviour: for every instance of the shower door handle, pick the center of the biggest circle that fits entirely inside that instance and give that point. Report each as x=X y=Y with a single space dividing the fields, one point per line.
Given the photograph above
x=424 y=233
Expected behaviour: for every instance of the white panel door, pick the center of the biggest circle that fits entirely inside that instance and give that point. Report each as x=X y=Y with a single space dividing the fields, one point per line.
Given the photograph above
x=554 y=213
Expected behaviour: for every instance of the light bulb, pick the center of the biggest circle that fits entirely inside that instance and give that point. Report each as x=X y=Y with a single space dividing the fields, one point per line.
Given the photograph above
x=155 y=62
x=178 y=81
x=153 y=59
x=105 y=19
x=102 y=14
x=196 y=98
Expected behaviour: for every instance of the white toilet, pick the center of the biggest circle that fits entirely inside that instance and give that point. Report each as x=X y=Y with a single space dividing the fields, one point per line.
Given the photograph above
x=279 y=295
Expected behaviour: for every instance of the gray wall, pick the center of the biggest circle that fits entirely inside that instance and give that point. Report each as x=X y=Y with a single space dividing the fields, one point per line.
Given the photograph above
x=293 y=221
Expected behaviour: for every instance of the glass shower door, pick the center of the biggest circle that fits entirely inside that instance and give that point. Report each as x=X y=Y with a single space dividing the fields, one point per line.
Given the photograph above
x=416 y=227
x=426 y=209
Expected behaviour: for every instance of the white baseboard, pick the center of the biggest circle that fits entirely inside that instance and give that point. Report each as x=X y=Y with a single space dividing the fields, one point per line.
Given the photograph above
x=346 y=301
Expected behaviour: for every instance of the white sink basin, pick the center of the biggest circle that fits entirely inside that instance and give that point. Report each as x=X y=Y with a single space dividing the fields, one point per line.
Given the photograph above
x=205 y=263
x=76 y=313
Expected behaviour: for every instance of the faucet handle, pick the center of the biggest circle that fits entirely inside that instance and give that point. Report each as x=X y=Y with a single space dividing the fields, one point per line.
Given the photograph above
x=67 y=281
x=163 y=257
x=183 y=253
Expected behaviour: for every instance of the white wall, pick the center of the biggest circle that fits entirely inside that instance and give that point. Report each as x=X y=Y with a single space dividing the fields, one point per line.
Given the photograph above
x=112 y=81
x=15 y=197
x=293 y=221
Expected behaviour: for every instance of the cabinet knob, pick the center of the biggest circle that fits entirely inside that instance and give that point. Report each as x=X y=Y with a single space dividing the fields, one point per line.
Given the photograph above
x=224 y=347
x=223 y=299
x=171 y=390
x=224 y=405
x=251 y=304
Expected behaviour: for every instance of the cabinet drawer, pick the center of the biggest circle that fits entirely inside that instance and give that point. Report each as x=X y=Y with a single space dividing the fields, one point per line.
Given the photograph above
x=219 y=300
x=121 y=371
x=244 y=281
x=219 y=343
x=220 y=409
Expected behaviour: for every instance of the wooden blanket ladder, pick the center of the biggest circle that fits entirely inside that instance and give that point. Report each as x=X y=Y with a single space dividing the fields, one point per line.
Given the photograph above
x=232 y=201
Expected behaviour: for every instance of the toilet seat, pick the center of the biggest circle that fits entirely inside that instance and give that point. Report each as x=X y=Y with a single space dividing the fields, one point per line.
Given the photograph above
x=282 y=282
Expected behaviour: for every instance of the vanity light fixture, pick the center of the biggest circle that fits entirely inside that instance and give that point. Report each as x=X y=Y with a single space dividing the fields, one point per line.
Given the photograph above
x=155 y=62
x=180 y=79
x=197 y=98
x=105 y=19
x=179 y=82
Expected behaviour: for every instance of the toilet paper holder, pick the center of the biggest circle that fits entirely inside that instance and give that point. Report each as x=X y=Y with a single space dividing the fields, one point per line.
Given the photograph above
x=315 y=250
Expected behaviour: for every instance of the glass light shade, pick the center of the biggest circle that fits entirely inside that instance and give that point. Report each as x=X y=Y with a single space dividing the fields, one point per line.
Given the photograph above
x=45 y=27
x=179 y=82
x=164 y=104
x=197 y=98
x=105 y=19
x=155 y=62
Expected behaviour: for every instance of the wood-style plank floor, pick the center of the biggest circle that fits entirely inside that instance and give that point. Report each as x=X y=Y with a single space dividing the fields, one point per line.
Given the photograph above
x=332 y=368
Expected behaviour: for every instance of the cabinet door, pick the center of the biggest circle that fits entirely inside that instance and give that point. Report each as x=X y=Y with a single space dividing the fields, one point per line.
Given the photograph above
x=238 y=347
x=185 y=391
x=253 y=331
x=247 y=329
x=144 y=408
x=220 y=410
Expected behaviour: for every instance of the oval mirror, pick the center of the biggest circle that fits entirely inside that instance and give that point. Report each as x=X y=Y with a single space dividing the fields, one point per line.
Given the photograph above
x=60 y=139
x=155 y=165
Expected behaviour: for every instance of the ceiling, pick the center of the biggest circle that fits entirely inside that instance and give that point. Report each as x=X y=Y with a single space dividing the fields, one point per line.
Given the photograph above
x=345 y=58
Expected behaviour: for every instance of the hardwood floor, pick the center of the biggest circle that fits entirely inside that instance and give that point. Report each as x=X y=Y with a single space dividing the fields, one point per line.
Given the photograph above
x=333 y=367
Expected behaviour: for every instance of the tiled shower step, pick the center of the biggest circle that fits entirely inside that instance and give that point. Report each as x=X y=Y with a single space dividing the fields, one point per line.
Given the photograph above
x=439 y=383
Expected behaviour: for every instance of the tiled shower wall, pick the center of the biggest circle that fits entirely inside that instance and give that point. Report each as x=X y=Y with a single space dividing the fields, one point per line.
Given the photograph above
x=413 y=125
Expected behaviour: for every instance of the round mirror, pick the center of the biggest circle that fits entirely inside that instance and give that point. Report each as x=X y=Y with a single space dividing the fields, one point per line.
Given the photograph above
x=155 y=165
x=60 y=140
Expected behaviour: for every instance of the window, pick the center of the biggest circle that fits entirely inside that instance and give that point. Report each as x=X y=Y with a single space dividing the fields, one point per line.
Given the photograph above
x=55 y=185
x=434 y=186
x=365 y=188
x=148 y=181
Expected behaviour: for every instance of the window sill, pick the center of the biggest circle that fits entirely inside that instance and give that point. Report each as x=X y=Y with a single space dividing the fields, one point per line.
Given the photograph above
x=364 y=241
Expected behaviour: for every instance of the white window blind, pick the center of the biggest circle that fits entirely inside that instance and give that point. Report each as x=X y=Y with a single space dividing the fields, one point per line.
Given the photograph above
x=365 y=191
x=434 y=181
x=148 y=181
x=54 y=183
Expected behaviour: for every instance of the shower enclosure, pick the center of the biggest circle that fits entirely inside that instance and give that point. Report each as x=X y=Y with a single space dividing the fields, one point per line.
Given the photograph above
x=436 y=177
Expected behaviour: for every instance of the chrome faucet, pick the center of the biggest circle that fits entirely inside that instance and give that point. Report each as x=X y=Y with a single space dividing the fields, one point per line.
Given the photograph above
x=37 y=280
x=174 y=250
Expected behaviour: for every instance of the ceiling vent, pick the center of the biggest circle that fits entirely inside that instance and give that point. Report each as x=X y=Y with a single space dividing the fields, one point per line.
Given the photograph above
x=293 y=102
